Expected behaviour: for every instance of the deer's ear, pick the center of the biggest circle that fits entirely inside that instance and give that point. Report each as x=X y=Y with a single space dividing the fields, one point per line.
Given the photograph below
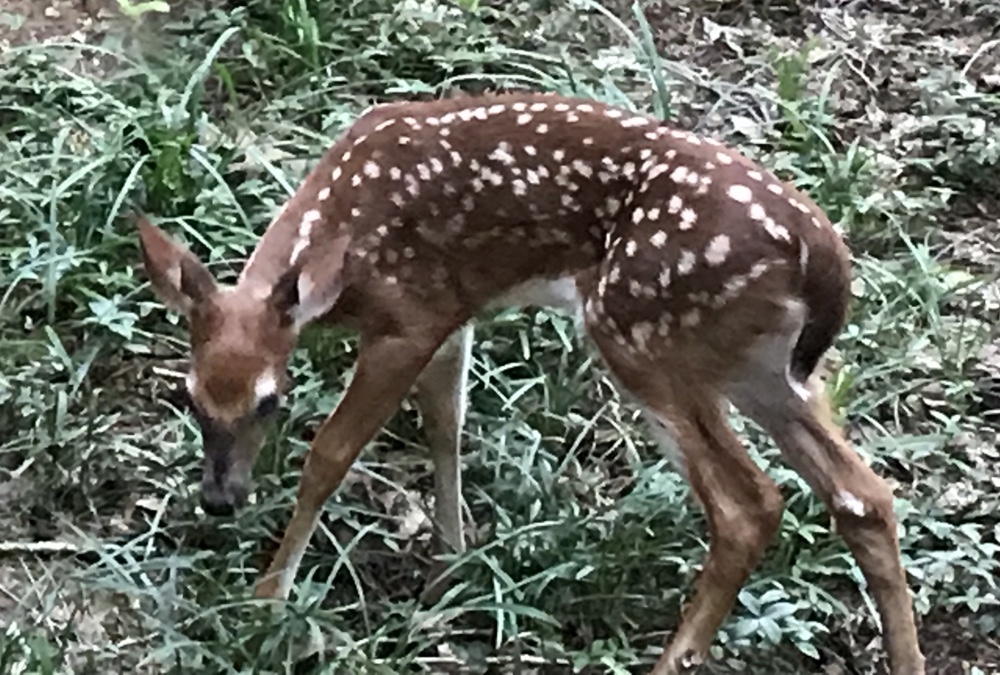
x=178 y=278
x=309 y=290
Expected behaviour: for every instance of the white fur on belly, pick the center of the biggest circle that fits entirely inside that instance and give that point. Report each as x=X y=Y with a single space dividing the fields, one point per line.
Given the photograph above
x=560 y=294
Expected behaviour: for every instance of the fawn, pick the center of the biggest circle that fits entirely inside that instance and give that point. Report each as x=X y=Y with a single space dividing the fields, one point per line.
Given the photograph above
x=701 y=278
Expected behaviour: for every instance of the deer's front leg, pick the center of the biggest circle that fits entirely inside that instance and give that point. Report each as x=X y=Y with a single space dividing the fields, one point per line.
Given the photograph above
x=441 y=397
x=386 y=370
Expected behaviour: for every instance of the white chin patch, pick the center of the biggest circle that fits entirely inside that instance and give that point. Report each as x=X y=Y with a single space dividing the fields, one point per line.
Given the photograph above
x=266 y=385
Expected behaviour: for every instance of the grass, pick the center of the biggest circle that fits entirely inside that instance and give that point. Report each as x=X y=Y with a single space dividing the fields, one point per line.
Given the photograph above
x=585 y=542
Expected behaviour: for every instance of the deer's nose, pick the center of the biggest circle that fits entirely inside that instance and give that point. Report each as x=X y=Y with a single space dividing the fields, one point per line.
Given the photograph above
x=220 y=497
x=217 y=509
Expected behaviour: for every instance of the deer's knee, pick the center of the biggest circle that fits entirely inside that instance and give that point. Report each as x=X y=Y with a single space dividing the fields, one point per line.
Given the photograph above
x=745 y=529
x=767 y=511
x=864 y=504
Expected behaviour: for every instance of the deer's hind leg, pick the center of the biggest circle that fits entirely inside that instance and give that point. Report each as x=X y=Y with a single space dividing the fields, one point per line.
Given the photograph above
x=797 y=415
x=442 y=399
x=743 y=506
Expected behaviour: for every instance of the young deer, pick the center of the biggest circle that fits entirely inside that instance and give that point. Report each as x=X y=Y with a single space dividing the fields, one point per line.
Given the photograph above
x=700 y=277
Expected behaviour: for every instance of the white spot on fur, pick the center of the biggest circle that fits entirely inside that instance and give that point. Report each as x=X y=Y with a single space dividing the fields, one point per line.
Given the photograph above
x=658 y=239
x=849 y=502
x=717 y=250
x=657 y=170
x=776 y=231
x=305 y=230
x=502 y=154
x=758 y=269
x=582 y=168
x=685 y=263
x=635 y=122
x=735 y=285
x=300 y=244
x=740 y=193
x=691 y=318
x=664 y=277
x=799 y=205
x=324 y=194
x=641 y=332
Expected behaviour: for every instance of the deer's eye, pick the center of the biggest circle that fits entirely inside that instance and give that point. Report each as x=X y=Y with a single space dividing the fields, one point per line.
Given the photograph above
x=267 y=405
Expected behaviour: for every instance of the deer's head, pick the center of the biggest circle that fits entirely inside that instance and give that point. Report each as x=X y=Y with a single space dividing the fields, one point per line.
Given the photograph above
x=241 y=338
